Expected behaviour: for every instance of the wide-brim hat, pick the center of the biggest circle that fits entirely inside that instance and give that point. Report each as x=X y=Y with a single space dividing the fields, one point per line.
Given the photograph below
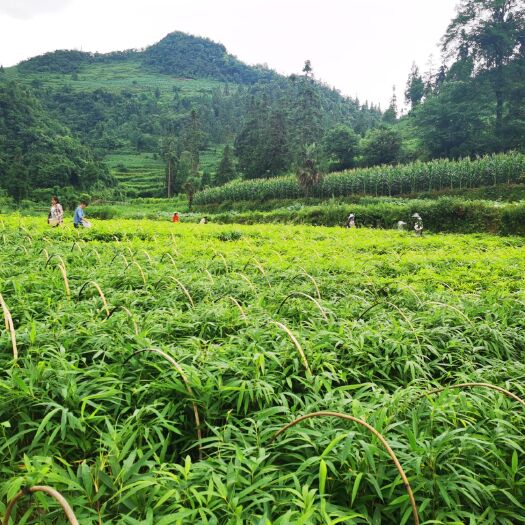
x=416 y=216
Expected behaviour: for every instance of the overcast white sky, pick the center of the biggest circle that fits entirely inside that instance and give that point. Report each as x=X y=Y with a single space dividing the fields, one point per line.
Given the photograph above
x=362 y=47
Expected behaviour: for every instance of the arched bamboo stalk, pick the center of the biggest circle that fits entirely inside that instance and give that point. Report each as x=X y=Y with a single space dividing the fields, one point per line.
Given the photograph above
x=185 y=290
x=210 y=276
x=239 y=307
x=100 y=293
x=170 y=258
x=9 y=326
x=217 y=254
x=377 y=303
x=407 y=320
x=142 y=274
x=148 y=256
x=258 y=265
x=62 y=269
x=474 y=385
x=177 y=367
x=457 y=310
x=376 y=433
x=296 y=344
x=75 y=243
x=68 y=511
x=129 y=314
x=246 y=278
x=317 y=291
x=302 y=294
x=122 y=256
x=60 y=260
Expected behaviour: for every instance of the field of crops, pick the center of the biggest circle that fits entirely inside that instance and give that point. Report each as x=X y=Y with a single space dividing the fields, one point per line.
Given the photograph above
x=147 y=369
x=437 y=175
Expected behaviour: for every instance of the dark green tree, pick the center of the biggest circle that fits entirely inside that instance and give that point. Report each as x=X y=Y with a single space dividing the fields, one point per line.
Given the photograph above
x=491 y=33
x=226 y=170
x=381 y=146
x=169 y=154
x=390 y=115
x=308 y=173
x=340 y=147
x=415 y=88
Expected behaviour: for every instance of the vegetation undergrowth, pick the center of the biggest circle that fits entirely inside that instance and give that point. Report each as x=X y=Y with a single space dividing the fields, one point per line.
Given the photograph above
x=262 y=325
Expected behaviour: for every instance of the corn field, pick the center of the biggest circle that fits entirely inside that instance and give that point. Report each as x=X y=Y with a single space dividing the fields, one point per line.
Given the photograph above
x=163 y=374
x=436 y=175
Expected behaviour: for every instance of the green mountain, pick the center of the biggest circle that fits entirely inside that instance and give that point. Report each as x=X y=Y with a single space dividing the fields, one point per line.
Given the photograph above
x=36 y=150
x=124 y=105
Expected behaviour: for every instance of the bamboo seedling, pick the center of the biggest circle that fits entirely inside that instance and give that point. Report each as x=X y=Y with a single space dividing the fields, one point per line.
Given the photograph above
x=185 y=290
x=179 y=369
x=100 y=293
x=474 y=385
x=68 y=511
x=295 y=343
x=302 y=294
x=376 y=433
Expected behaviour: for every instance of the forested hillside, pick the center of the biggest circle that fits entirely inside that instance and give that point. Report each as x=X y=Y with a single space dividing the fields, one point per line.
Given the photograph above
x=38 y=151
x=183 y=115
x=166 y=113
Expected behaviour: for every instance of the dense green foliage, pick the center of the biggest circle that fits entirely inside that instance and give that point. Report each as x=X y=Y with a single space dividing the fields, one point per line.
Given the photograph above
x=189 y=93
x=135 y=102
x=393 y=317
x=37 y=151
x=382 y=180
x=439 y=215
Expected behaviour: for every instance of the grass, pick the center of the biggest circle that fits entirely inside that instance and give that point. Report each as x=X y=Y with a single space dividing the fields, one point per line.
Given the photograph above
x=185 y=340
x=115 y=77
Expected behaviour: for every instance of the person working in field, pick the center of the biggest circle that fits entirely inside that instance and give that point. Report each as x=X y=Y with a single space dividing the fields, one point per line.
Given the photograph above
x=418 y=225
x=175 y=217
x=79 y=220
x=350 y=221
x=204 y=220
x=56 y=213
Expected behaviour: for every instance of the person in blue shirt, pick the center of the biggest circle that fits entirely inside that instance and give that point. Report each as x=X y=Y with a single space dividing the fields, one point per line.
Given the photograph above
x=78 y=219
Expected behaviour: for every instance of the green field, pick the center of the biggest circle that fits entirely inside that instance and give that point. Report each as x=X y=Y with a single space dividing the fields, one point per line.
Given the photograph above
x=115 y=77
x=156 y=363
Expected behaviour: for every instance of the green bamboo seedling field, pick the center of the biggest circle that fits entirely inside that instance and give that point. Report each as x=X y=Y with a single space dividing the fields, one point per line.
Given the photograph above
x=153 y=373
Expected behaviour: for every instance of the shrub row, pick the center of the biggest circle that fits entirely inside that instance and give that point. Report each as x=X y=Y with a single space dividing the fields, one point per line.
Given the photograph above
x=441 y=215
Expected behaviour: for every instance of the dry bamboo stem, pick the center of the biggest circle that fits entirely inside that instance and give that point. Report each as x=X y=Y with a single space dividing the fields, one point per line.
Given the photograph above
x=9 y=326
x=296 y=344
x=302 y=294
x=68 y=511
x=100 y=293
x=62 y=269
x=379 y=436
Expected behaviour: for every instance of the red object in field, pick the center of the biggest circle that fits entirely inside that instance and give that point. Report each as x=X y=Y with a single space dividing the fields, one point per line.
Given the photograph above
x=175 y=217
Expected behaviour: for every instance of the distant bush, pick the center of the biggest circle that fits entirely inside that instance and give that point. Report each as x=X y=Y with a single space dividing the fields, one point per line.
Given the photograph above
x=441 y=215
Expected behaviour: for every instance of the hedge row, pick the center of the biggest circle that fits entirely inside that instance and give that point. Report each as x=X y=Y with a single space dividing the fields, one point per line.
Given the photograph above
x=442 y=215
